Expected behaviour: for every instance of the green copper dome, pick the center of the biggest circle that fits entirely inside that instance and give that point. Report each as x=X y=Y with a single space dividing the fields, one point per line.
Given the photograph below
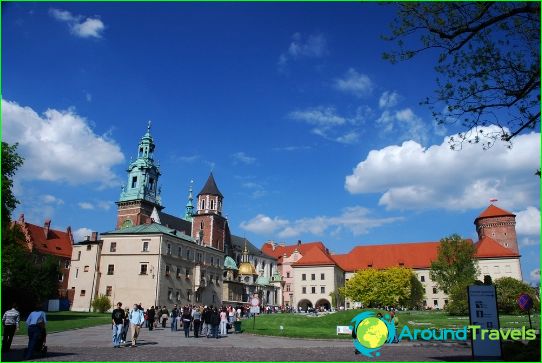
x=262 y=280
x=276 y=277
x=229 y=263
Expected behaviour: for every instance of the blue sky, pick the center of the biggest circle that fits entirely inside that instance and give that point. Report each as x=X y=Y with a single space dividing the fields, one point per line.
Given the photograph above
x=310 y=134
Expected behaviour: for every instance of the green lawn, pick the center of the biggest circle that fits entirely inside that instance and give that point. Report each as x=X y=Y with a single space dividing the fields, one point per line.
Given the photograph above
x=66 y=320
x=302 y=326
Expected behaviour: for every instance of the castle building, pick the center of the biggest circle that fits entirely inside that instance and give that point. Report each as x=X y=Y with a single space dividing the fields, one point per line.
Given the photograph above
x=155 y=258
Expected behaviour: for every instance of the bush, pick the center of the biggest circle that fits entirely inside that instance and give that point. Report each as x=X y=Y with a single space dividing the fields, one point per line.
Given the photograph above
x=101 y=304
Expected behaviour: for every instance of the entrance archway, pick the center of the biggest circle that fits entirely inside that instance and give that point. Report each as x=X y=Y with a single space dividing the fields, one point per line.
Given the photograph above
x=304 y=304
x=323 y=304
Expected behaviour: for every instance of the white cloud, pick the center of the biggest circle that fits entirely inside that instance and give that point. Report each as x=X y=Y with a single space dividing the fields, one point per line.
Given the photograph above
x=189 y=158
x=528 y=241
x=410 y=176
x=528 y=222
x=256 y=190
x=51 y=199
x=313 y=46
x=263 y=224
x=104 y=204
x=80 y=234
x=241 y=157
x=59 y=146
x=79 y=26
x=355 y=219
x=318 y=116
x=88 y=97
x=404 y=125
x=348 y=138
x=292 y=148
x=388 y=99
x=85 y=205
x=535 y=275
x=355 y=83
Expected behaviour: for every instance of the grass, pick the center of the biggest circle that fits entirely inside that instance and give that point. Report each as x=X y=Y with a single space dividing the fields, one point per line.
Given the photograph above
x=67 y=320
x=324 y=327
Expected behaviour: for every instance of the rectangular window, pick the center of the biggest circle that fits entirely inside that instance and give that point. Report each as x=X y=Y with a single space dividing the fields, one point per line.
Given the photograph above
x=85 y=269
x=78 y=255
x=113 y=247
x=304 y=277
x=170 y=294
x=313 y=289
x=76 y=272
x=178 y=295
x=189 y=295
x=109 y=291
x=313 y=277
x=67 y=264
x=145 y=246
x=178 y=272
x=111 y=269
x=89 y=247
x=134 y=181
x=180 y=252
x=422 y=278
x=435 y=302
x=322 y=276
x=446 y=302
x=143 y=270
x=198 y=296
x=218 y=262
x=287 y=274
x=61 y=277
x=434 y=290
x=212 y=261
x=83 y=292
x=322 y=289
x=187 y=273
x=187 y=254
x=199 y=257
x=288 y=287
x=169 y=248
x=167 y=270
x=303 y=290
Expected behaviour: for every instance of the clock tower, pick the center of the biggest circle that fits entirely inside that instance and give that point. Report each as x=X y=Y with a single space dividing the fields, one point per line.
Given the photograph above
x=141 y=194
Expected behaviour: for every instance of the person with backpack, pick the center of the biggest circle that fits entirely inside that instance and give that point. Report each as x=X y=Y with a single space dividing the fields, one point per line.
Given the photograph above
x=117 y=316
x=164 y=315
x=215 y=322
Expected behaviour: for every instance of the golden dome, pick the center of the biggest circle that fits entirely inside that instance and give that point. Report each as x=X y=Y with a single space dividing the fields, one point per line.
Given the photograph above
x=246 y=268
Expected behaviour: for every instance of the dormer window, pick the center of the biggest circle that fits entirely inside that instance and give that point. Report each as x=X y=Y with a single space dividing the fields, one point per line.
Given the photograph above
x=140 y=151
x=151 y=183
x=134 y=181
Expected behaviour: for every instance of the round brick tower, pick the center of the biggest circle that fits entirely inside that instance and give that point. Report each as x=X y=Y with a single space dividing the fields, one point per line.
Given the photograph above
x=499 y=225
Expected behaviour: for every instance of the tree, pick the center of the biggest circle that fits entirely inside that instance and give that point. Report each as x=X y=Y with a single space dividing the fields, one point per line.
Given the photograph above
x=488 y=64
x=454 y=269
x=11 y=161
x=390 y=287
x=101 y=304
x=508 y=290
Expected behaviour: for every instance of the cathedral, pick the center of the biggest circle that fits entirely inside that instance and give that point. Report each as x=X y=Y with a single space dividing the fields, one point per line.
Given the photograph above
x=155 y=258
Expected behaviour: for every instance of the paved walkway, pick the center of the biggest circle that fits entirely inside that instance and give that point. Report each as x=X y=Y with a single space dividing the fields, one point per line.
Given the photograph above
x=94 y=344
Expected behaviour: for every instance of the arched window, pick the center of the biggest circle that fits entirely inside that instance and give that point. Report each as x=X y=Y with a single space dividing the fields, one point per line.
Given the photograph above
x=202 y=204
x=212 y=204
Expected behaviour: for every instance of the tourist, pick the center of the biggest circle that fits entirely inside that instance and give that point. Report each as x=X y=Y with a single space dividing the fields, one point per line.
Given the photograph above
x=37 y=333
x=164 y=314
x=174 y=314
x=238 y=313
x=126 y=326
x=231 y=314
x=10 y=324
x=196 y=316
x=117 y=317
x=206 y=316
x=136 y=320
x=223 y=323
x=187 y=319
x=215 y=321
x=151 y=314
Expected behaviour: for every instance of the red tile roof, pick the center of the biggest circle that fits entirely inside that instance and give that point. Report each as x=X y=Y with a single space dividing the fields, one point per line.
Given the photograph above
x=411 y=255
x=288 y=250
x=493 y=211
x=315 y=256
x=58 y=243
x=488 y=248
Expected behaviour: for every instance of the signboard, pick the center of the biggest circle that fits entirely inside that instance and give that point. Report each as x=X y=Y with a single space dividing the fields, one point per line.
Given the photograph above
x=255 y=301
x=254 y=309
x=343 y=329
x=483 y=312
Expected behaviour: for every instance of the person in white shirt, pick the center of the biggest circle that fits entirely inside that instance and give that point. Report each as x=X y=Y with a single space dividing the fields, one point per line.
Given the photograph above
x=10 y=324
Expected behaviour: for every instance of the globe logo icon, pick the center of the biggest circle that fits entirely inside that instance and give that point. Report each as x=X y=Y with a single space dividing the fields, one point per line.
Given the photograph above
x=372 y=333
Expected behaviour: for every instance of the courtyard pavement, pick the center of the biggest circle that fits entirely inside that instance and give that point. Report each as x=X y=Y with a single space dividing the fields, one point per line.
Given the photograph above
x=94 y=344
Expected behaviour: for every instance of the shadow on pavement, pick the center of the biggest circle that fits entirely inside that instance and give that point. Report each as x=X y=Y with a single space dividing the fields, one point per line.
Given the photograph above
x=17 y=355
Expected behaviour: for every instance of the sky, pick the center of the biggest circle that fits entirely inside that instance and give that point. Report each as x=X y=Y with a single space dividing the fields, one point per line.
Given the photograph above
x=310 y=134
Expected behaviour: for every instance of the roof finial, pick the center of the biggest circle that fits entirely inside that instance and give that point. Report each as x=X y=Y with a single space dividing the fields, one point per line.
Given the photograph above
x=149 y=126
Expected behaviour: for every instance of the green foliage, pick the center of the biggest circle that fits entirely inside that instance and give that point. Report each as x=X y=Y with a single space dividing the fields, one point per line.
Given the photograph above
x=508 y=290
x=11 y=161
x=395 y=286
x=488 y=63
x=101 y=304
x=454 y=269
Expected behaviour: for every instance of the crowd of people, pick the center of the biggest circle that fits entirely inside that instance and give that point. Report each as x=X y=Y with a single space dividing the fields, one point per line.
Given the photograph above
x=202 y=321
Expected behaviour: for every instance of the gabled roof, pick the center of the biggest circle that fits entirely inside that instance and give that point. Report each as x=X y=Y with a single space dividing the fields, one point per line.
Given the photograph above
x=151 y=228
x=410 y=255
x=487 y=247
x=58 y=243
x=302 y=248
x=210 y=187
x=315 y=256
x=493 y=211
x=177 y=223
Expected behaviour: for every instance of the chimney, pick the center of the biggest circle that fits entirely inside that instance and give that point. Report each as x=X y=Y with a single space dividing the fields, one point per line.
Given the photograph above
x=46 y=227
x=94 y=236
x=299 y=242
x=69 y=232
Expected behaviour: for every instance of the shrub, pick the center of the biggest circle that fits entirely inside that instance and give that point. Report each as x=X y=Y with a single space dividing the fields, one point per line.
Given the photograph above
x=101 y=304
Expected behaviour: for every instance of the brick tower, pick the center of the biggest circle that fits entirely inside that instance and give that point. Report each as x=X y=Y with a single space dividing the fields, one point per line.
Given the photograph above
x=209 y=227
x=141 y=195
x=499 y=225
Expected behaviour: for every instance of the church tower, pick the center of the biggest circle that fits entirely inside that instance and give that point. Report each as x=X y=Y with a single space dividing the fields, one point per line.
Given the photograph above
x=141 y=195
x=499 y=225
x=209 y=227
